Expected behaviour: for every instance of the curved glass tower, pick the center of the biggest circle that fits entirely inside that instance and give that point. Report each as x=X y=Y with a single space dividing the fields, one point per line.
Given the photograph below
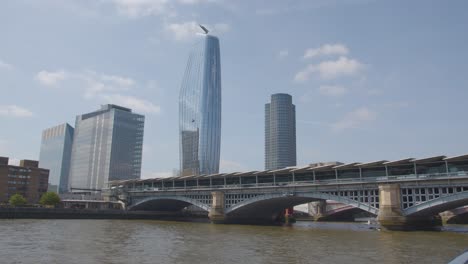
x=200 y=109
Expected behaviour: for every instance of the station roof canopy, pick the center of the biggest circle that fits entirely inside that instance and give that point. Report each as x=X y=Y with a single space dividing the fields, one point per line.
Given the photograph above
x=168 y=178
x=372 y=164
x=347 y=166
x=217 y=174
x=261 y=172
x=187 y=176
x=457 y=158
x=430 y=159
x=301 y=169
x=230 y=174
x=287 y=169
x=324 y=167
x=399 y=162
x=246 y=173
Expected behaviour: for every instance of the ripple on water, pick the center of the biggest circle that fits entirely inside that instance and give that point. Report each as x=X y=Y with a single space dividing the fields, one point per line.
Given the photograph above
x=131 y=241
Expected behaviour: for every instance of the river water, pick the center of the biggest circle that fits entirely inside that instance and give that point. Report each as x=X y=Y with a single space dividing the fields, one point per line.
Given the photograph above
x=134 y=241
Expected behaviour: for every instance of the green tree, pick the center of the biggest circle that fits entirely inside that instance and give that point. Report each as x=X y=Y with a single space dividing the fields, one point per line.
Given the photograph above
x=50 y=198
x=17 y=200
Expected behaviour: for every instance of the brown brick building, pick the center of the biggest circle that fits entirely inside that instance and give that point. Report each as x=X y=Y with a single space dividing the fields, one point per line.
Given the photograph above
x=26 y=179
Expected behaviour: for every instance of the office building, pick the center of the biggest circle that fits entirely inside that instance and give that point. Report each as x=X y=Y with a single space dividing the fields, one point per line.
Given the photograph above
x=26 y=179
x=200 y=109
x=107 y=145
x=280 y=132
x=55 y=154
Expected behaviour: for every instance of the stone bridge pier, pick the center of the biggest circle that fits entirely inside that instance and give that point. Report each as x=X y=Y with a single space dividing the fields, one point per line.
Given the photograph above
x=391 y=215
x=318 y=208
x=216 y=213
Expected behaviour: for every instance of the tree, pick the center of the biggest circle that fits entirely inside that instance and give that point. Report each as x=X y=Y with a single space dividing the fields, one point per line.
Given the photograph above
x=17 y=200
x=50 y=198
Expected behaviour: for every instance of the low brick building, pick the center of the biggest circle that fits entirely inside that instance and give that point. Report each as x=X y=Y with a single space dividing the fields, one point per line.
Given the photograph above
x=26 y=179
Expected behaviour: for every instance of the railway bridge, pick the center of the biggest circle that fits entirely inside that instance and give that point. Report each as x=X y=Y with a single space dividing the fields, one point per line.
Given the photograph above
x=403 y=193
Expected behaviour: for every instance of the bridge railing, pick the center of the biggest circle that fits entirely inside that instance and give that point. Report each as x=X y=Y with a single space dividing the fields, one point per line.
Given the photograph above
x=140 y=188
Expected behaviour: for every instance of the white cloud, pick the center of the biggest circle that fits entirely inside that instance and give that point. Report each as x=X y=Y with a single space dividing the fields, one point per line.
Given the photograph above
x=4 y=65
x=136 y=104
x=14 y=111
x=50 y=78
x=103 y=83
x=342 y=66
x=140 y=8
x=327 y=49
x=102 y=87
x=119 y=80
x=230 y=166
x=354 y=119
x=332 y=90
x=188 y=30
x=143 y=8
x=330 y=69
x=283 y=54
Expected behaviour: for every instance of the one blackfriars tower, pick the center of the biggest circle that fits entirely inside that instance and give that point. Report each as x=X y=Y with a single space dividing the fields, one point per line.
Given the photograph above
x=200 y=109
x=280 y=132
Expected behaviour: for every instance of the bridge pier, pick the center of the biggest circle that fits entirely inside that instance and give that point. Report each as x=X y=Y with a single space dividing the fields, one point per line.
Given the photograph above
x=391 y=216
x=318 y=209
x=216 y=213
x=390 y=213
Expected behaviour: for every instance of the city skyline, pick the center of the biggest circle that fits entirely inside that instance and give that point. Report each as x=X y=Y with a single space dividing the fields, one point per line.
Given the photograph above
x=365 y=84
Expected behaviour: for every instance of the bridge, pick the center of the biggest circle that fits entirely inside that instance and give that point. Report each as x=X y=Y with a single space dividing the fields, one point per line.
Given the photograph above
x=402 y=193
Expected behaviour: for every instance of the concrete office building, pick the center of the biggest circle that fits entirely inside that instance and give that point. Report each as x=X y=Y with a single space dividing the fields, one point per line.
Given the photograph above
x=26 y=179
x=107 y=145
x=280 y=132
x=55 y=154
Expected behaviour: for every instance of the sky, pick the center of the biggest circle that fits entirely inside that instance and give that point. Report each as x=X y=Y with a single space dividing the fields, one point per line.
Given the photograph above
x=371 y=80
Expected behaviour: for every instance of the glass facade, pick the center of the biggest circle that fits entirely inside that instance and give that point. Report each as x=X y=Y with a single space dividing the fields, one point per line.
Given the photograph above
x=200 y=109
x=55 y=154
x=280 y=132
x=107 y=146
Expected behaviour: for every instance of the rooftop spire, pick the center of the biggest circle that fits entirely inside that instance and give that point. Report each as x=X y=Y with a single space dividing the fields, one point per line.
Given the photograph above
x=204 y=28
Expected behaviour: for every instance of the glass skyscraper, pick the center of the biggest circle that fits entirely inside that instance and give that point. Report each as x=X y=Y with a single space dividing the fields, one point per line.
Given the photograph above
x=200 y=109
x=56 y=147
x=280 y=132
x=107 y=146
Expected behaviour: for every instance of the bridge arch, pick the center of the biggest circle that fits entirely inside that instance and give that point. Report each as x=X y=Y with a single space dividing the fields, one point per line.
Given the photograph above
x=438 y=205
x=167 y=203
x=271 y=204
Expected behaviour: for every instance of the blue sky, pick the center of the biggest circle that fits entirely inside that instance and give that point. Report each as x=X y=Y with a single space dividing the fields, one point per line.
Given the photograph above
x=370 y=79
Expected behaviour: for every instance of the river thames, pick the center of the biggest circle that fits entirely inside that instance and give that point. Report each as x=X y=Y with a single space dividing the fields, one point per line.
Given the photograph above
x=134 y=241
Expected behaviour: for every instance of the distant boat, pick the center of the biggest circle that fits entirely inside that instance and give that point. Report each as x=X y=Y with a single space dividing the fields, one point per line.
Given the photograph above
x=461 y=259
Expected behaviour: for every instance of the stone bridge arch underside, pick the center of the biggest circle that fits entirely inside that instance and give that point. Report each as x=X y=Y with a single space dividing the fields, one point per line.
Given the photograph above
x=264 y=207
x=438 y=205
x=167 y=203
x=269 y=207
